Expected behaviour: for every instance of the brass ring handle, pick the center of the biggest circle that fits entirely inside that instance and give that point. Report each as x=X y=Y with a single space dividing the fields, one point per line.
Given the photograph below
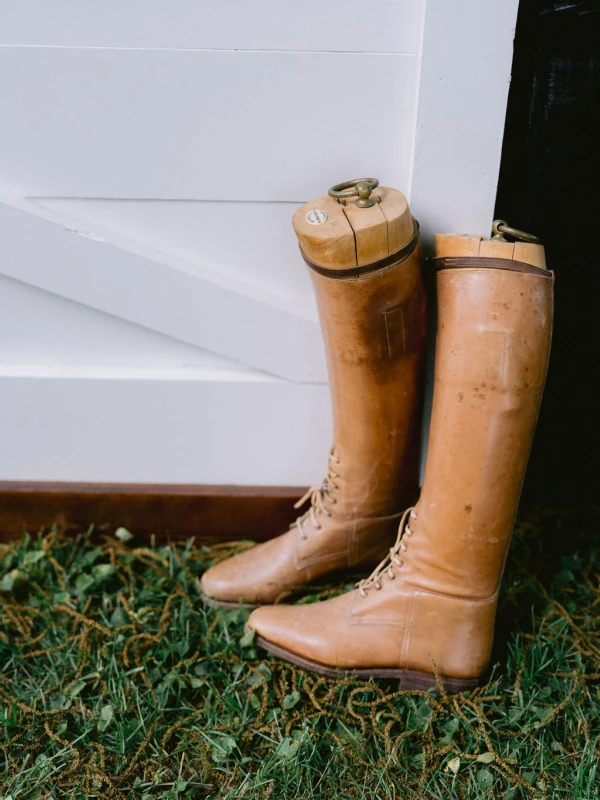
x=360 y=187
x=499 y=228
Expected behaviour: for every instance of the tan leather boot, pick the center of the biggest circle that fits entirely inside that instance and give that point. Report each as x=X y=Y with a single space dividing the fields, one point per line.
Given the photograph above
x=366 y=267
x=433 y=600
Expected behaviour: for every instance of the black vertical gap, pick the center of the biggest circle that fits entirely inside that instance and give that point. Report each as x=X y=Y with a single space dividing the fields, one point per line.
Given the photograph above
x=549 y=183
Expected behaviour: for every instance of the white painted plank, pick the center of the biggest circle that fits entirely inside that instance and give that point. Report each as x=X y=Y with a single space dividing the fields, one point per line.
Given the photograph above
x=159 y=292
x=465 y=75
x=176 y=431
x=42 y=330
x=253 y=243
x=201 y=125
x=339 y=25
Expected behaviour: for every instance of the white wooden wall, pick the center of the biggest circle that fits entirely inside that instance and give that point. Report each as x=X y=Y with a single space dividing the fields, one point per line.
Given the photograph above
x=156 y=321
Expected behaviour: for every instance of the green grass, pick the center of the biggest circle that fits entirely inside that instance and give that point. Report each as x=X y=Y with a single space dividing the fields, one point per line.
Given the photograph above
x=116 y=682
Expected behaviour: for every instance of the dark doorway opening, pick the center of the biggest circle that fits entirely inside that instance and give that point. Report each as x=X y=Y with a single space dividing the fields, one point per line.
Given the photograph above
x=549 y=181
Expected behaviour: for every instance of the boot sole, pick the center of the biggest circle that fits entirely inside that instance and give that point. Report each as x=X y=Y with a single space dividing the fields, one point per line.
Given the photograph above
x=228 y=605
x=410 y=679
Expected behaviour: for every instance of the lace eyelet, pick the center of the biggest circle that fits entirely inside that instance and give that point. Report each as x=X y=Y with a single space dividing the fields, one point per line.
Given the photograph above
x=386 y=567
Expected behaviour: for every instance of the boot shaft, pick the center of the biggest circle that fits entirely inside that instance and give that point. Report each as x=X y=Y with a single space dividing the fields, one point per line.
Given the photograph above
x=368 y=281
x=492 y=349
x=433 y=600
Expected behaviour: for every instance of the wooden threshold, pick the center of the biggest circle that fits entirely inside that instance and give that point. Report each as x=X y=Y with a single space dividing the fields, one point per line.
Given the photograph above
x=210 y=513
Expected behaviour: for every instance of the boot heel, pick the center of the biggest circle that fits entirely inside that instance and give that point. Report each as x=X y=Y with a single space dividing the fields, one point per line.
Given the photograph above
x=411 y=680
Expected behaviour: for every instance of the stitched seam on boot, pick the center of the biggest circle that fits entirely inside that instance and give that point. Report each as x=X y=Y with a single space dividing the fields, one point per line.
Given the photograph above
x=412 y=613
x=357 y=619
x=301 y=563
x=397 y=516
x=388 y=332
x=352 y=552
x=459 y=597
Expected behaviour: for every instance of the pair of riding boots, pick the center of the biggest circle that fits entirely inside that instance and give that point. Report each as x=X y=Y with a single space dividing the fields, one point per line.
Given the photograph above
x=426 y=613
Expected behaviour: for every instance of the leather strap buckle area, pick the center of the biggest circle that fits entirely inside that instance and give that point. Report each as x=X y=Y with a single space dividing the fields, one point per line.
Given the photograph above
x=481 y=262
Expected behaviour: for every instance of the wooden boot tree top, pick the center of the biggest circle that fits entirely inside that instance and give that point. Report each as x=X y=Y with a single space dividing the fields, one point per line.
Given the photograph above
x=340 y=235
x=453 y=245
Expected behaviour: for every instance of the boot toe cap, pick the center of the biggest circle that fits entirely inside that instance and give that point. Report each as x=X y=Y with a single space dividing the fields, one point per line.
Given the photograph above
x=217 y=584
x=230 y=581
x=304 y=631
x=258 y=575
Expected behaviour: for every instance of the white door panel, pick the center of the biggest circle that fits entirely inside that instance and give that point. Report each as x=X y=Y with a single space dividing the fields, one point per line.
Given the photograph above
x=465 y=74
x=202 y=125
x=388 y=26
x=157 y=323
x=117 y=428
x=160 y=292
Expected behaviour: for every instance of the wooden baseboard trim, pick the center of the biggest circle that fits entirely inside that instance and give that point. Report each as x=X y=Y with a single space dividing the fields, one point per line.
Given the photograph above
x=210 y=513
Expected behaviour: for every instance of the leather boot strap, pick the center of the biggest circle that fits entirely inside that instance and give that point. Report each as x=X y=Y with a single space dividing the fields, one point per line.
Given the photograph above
x=477 y=262
x=389 y=262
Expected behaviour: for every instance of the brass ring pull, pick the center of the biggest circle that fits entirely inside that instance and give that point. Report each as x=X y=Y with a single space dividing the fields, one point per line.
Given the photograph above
x=499 y=228
x=361 y=188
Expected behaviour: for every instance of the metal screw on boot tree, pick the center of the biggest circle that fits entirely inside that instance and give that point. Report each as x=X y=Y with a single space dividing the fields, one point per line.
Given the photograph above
x=501 y=229
x=365 y=262
x=427 y=612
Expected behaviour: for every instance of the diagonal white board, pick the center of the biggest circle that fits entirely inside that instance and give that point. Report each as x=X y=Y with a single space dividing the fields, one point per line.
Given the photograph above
x=160 y=292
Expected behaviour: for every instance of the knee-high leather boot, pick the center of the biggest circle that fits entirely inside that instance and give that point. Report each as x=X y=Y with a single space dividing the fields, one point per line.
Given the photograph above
x=433 y=600
x=366 y=267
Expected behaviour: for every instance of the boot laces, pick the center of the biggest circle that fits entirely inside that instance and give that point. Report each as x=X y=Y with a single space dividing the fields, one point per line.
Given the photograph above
x=392 y=559
x=319 y=495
